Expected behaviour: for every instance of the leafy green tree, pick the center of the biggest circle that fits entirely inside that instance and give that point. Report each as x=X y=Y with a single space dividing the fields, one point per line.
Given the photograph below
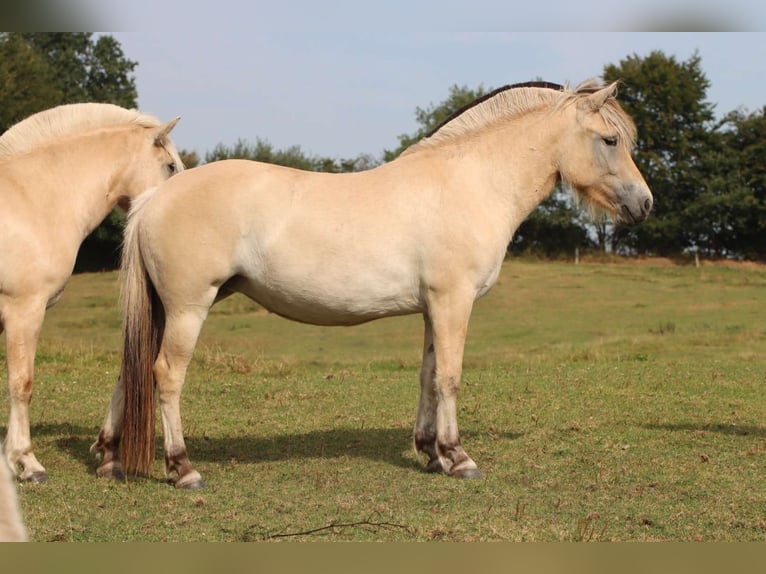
x=27 y=84
x=555 y=229
x=743 y=171
x=110 y=74
x=667 y=100
x=190 y=158
x=67 y=55
x=100 y=251
x=88 y=70
x=293 y=157
x=263 y=151
x=40 y=70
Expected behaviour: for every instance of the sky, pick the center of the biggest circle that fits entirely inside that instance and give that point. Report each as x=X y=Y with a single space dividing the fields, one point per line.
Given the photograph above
x=344 y=78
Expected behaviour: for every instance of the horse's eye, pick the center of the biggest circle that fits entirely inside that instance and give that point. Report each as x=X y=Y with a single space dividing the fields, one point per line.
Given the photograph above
x=172 y=167
x=610 y=140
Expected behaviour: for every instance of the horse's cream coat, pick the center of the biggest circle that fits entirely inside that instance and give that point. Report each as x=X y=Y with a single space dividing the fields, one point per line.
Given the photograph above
x=426 y=233
x=61 y=172
x=11 y=526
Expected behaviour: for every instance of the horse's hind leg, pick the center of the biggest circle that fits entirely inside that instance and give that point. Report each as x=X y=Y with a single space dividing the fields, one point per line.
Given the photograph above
x=425 y=424
x=179 y=339
x=22 y=322
x=108 y=442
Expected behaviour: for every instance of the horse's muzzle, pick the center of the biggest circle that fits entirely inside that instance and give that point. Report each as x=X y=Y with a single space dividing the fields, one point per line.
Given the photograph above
x=636 y=207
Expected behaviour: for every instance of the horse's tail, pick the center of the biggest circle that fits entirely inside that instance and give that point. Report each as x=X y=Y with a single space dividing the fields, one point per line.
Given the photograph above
x=143 y=322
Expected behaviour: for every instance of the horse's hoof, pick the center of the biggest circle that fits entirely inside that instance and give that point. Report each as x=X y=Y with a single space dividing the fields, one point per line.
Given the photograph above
x=434 y=466
x=116 y=474
x=191 y=481
x=191 y=485
x=111 y=470
x=35 y=478
x=467 y=473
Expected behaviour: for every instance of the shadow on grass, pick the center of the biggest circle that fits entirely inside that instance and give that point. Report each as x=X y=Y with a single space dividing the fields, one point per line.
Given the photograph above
x=720 y=428
x=378 y=444
x=389 y=445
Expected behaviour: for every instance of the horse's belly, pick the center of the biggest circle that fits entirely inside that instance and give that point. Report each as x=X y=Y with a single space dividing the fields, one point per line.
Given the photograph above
x=321 y=303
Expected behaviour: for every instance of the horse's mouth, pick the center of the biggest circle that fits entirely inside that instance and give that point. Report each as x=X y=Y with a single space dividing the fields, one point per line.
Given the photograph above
x=631 y=217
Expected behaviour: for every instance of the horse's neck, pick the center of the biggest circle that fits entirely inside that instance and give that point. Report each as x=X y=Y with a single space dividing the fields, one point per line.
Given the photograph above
x=520 y=166
x=83 y=180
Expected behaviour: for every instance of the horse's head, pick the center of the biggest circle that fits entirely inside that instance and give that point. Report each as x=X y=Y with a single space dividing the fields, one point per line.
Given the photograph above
x=596 y=159
x=156 y=160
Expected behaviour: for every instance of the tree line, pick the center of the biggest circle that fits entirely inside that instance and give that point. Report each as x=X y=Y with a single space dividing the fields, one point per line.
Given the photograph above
x=707 y=173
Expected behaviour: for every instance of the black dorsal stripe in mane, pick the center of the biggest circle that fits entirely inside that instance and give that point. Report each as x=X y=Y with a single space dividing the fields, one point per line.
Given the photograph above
x=493 y=93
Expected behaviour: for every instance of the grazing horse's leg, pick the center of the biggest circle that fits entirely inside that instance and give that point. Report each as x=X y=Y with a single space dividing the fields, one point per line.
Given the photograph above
x=178 y=341
x=449 y=314
x=22 y=322
x=425 y=424
x=11 y=526
x=107 y=445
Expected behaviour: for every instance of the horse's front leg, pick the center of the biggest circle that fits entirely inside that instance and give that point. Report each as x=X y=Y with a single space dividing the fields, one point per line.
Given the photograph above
x=106 y=447
x=448 y=318
x=22 y=322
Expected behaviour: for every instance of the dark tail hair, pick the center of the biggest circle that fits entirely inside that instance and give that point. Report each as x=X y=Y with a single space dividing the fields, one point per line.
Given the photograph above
x=143 y=324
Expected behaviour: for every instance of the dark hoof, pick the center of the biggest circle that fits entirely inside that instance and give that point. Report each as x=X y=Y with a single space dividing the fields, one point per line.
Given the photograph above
x=111 y=471
x=36 y=478
x=117 y=475
x=467 y=473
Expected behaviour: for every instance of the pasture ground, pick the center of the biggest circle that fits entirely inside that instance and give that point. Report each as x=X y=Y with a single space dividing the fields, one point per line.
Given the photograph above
x=601 y=401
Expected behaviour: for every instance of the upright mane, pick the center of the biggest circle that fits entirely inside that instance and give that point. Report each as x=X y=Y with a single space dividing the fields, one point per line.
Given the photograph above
x=516 y=99
x=67 y=120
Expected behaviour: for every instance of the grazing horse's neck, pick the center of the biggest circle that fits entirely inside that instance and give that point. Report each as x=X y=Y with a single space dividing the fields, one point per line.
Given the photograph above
x=87 y=178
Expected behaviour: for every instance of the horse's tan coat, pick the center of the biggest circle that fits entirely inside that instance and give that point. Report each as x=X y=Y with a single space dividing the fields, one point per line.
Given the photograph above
x=426 y=233
x=11 y=525
x=61 y=172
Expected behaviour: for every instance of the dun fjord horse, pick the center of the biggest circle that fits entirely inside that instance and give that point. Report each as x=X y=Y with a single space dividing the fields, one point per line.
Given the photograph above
x=61 y=172
x=426 y=233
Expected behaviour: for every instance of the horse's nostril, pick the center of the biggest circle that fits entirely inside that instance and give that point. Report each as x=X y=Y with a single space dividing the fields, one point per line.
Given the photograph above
x=648 y=205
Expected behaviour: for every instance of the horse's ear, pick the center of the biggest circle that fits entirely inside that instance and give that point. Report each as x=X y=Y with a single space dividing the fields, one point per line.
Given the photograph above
x=164 y=130
x=597 y=99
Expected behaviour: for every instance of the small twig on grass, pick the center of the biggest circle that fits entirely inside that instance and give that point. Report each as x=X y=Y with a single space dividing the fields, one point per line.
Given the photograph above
x=337 y=525
x=587 y=529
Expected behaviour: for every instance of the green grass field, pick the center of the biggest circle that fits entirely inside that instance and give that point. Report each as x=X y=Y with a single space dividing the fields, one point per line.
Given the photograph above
x=601 y=401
